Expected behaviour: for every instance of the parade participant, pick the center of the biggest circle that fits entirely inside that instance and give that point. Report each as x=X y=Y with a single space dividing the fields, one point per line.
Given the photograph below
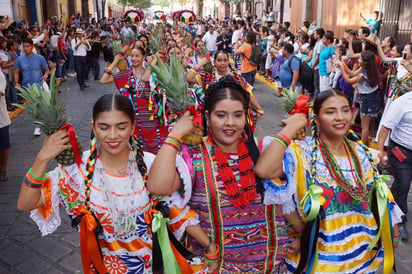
x=149 y=129
x=108 y=196
x=226 y=194
x=222 y=68
x=195 y=61
x=343 y=226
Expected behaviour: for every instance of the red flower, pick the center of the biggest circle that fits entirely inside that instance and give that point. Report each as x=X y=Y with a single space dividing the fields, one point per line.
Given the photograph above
x=115 y=265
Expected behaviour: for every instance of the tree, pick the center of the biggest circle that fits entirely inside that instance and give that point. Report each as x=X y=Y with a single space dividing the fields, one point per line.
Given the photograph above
x=140 y=4
x=162 y=3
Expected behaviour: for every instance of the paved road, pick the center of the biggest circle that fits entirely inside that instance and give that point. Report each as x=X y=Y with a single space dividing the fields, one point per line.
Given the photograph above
x=22 y=249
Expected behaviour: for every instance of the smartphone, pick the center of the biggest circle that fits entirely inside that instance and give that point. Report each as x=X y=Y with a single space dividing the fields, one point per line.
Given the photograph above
x=404 y=55
x=398 y=154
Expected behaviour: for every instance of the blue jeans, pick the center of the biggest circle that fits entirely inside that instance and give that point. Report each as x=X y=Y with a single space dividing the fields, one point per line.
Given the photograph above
x=402 y=173
x=250 y=77
x=70 y=61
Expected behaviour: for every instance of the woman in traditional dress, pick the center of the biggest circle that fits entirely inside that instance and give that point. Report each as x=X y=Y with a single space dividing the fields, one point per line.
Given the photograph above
x=350 y=214
x=222 y=68
x=151 y=130
x=248 y=227
x=109 y=197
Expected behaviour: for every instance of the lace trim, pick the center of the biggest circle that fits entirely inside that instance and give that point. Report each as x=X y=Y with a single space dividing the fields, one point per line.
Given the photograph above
x=49 y=226
x=190 y=222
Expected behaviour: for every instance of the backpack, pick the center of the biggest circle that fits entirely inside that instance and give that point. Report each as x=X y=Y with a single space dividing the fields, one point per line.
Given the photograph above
x=305 y=75
x=256 y=57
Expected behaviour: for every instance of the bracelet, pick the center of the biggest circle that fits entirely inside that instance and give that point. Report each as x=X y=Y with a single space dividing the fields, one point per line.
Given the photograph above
x=284 y=137
x=213 y=256
x=298 y=236
x=260 y=111
x=38 y=178
x=108 y=71
x=397 y=240
x=211 y=261
x=177 y=138
x=173 y=141
x=193 y=70
x=33 y=181
x=281 y=141
x=208 y=245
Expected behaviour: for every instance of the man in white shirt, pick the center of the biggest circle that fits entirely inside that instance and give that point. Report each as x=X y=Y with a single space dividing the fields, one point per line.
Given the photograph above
x=210 y=40
x=80 y=47
x=397 y=124
x=126 y=31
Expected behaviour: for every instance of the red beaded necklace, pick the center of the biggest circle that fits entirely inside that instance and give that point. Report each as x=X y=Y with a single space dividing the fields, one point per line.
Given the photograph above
x=240 y=194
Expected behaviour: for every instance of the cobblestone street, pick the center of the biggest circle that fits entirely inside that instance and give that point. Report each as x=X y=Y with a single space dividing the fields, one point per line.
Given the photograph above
x=23 y=250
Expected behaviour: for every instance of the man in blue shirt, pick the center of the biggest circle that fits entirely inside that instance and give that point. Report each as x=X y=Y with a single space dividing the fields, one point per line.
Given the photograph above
x=289 y=72
x=33 y=67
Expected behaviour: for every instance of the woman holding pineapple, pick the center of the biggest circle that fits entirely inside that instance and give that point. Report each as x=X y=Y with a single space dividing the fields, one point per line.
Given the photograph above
x=348 y=209
x=222 y=68
x=150 y=131
x=228 y=198
x=120 y=221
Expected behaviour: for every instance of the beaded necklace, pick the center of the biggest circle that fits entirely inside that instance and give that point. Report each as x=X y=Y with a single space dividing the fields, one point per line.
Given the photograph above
x=357 y=192
x=240 y=193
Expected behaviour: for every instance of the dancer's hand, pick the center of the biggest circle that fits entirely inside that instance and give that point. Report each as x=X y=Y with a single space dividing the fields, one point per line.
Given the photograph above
x=293 y=247
x=54 y=145
x=185 y=126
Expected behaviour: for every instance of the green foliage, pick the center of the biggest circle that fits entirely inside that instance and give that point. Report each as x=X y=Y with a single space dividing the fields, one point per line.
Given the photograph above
x=44 y=107
x=162 y=3
x=140 y=4
x=173 y=79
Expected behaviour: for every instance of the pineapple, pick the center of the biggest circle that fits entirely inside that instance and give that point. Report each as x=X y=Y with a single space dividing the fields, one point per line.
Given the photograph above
x=155 y=41
x=118 y=49
x=48 y=112
x=289 y=98
x=208 y=67
x=173 y=78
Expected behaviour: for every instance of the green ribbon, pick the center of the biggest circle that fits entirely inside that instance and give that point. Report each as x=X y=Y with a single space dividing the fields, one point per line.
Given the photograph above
x=382 y=191
x=159 y=226
x=310 y=202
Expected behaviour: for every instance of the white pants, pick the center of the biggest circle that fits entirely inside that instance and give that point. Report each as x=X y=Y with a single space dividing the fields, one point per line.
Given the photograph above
x=324 y=83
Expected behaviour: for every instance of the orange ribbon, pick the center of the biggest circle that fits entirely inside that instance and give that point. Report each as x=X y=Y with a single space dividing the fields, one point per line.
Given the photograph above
x=148 y=216
x=73 y=142
x=88 y=244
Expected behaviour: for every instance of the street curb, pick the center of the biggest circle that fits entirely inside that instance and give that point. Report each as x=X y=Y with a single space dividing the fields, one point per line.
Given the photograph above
x=17 y=111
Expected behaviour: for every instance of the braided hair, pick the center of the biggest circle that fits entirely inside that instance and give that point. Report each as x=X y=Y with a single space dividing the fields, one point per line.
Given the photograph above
x=107 y=103
x=317 y=104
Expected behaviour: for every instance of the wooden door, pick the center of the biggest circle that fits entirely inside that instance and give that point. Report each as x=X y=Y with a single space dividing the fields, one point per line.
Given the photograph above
x=22 y=10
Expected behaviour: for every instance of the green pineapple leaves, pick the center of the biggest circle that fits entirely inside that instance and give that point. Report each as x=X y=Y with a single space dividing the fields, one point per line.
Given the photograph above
x=173 y=79
x=289 y=99
x=44 y=106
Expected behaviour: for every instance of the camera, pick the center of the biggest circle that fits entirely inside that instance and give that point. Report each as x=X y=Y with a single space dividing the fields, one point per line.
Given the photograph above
x=404 y=55
x=391 y=62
